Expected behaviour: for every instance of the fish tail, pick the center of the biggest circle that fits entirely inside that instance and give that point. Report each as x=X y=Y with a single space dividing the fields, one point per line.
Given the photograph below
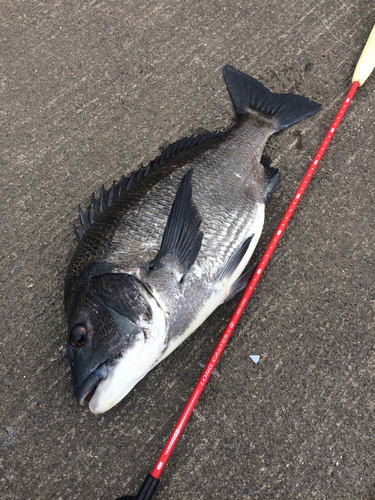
x=249 y=95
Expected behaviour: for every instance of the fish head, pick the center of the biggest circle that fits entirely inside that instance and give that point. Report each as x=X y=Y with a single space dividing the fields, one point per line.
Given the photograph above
x=116 y=334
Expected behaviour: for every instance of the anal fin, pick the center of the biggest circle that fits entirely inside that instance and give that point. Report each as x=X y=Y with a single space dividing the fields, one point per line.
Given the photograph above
x=182 y=239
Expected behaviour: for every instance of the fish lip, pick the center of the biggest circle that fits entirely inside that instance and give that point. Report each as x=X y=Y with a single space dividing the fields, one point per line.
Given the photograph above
x=91 y=383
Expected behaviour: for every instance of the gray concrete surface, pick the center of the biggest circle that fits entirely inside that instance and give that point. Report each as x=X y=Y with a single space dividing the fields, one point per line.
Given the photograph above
x=88 y=91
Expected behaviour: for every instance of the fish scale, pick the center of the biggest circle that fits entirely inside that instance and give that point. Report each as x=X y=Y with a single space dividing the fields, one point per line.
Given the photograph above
x=160 y=251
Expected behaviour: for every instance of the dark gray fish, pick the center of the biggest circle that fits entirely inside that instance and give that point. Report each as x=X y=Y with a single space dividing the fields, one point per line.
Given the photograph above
x=163 y=248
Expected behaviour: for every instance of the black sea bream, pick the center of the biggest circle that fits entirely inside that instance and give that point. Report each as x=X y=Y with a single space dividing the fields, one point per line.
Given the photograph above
x=160 y=251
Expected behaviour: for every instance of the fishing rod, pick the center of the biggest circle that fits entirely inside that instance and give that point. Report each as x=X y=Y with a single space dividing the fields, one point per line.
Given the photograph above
x=365 y=65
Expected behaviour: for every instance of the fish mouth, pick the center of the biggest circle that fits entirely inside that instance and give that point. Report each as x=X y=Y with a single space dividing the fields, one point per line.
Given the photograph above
x=87 y=389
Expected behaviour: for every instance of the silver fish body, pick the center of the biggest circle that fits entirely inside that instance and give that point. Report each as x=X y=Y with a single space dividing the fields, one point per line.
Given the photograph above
x=165 y=247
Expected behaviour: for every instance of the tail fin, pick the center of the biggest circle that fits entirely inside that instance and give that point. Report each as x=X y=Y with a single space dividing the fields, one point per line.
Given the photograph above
x=246 y=92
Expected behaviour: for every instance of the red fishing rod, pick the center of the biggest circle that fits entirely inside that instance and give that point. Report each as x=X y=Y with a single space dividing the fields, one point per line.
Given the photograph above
x=363 y=70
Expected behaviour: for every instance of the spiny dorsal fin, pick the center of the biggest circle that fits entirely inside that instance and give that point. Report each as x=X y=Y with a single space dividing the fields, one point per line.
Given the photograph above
x=108 y=198
x=84 y=218
x=182 y=239
x=79 y=232
x=94 y=209
x=103 y=199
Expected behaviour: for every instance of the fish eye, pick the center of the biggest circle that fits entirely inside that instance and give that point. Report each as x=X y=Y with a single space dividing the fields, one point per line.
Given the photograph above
x=78 y=336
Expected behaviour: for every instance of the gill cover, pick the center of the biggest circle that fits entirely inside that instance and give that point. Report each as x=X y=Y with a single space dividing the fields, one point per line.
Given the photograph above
x=108 y=312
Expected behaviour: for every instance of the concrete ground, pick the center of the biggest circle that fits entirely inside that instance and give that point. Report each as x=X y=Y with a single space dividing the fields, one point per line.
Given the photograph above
x=90 y=90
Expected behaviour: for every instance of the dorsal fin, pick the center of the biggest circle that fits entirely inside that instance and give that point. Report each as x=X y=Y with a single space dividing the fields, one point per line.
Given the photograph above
x=108 y=198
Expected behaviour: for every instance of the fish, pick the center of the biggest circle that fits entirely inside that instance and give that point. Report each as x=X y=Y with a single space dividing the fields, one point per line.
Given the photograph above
x=161 y=249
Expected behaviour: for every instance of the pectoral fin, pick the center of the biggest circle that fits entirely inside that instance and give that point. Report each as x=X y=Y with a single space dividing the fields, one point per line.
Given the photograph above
x=273 y=176
x=241 y=283
x=234 y=261
x=182 y=239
